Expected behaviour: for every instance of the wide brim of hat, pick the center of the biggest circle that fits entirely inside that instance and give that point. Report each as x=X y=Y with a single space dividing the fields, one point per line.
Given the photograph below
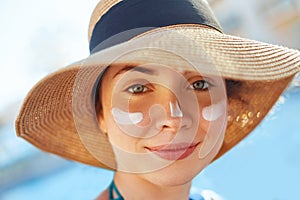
x=58 y=114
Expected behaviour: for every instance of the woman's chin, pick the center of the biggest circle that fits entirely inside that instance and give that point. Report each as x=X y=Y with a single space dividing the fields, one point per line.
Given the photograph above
x=169 y=180
x=174 y=175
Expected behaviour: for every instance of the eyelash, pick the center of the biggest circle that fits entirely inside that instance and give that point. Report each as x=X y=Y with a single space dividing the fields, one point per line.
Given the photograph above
x=131 y=89
x=204 y=86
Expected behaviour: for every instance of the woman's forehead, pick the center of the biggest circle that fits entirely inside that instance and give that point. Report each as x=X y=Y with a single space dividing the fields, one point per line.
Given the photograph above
x=153 y=70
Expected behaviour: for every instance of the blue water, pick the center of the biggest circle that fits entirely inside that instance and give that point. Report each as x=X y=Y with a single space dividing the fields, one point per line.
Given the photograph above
x=266 y=165
x=74 y=182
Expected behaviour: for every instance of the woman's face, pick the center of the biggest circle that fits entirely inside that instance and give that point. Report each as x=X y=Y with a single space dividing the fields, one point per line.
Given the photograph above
x=162 y=122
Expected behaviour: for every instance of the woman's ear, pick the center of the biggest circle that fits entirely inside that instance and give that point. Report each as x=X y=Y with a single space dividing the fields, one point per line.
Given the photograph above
x=101 y=123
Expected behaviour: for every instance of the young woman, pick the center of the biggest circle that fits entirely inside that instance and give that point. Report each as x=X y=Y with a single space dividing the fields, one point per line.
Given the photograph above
x=165 y=125
x=163 y=94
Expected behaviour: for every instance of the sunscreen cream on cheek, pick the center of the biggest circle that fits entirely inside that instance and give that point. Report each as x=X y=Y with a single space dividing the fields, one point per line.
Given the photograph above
x=126 y=118
x=214 y=111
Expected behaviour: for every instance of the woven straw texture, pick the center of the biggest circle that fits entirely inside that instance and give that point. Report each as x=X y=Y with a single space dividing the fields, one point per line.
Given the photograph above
x=58 y=114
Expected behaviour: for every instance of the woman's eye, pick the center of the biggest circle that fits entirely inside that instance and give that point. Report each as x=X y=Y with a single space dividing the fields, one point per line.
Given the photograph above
x=137 y=88
x=200 y=85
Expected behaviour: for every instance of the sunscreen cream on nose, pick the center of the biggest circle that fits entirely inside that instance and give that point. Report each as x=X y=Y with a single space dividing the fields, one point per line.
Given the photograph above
x=175 y=110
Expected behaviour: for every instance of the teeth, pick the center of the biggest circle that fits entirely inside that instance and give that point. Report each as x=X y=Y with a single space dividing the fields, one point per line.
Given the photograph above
x=173 y=148
x=176 y=148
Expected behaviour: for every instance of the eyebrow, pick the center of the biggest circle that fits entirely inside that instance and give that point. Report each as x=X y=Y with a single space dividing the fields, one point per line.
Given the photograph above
x=137 y=69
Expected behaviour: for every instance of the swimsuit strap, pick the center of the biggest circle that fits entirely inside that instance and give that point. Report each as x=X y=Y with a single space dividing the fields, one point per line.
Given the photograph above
x=113 y=188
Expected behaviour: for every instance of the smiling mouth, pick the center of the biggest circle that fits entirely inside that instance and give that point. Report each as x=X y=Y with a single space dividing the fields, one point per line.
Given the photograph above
x=177 y=151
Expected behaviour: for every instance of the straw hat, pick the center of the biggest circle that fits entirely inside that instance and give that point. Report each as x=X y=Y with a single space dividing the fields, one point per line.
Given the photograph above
x=58 y=114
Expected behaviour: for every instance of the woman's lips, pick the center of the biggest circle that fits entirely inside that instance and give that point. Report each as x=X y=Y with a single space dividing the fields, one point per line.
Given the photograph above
x=177 y=151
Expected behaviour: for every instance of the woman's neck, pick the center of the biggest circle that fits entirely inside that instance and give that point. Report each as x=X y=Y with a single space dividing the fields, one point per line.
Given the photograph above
x=134 y=186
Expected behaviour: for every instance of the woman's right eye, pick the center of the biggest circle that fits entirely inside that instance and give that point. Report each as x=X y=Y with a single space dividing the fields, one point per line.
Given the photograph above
x=137 y=88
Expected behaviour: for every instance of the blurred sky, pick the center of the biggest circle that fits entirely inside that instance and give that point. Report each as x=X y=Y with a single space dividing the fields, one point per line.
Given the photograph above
x=35 y=41
x=38 y=37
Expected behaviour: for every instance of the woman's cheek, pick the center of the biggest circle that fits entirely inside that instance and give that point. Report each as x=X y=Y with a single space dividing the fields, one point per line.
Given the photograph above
x=122 y=117
x=214 y=111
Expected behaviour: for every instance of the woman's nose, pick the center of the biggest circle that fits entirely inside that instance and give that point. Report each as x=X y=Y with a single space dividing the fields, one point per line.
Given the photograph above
x=175 y=110
x=176 y=118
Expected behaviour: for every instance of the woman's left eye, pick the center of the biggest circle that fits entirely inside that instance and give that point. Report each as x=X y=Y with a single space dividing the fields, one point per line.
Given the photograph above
x=200 y=85
x=137 y=88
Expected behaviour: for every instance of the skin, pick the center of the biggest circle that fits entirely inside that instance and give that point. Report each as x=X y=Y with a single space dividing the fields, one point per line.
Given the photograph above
x=137 y=91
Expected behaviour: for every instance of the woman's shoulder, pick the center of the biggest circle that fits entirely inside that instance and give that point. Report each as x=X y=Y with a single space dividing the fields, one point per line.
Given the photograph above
x=103 y=195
